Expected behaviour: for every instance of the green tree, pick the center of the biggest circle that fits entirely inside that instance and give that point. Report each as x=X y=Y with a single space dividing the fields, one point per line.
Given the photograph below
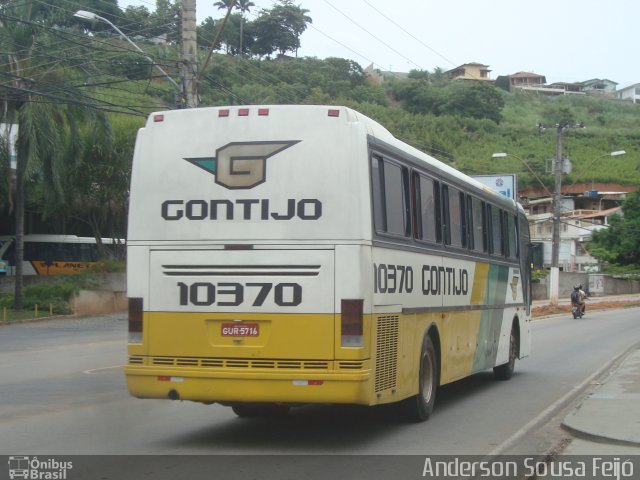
x=60 y=13
x=97 y=185
x=460 y=98
x=235 y=36
x=558 y=114
x=245 y=7
x=418 y=96
x=473 y=99
x=279 y=29
x=620 y=243
x=167 y=20
x=137 y=18
x=40 y=97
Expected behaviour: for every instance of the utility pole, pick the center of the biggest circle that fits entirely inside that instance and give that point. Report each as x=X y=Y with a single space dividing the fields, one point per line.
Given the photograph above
x=554 y=277
x=189 y=51
x=555 y=240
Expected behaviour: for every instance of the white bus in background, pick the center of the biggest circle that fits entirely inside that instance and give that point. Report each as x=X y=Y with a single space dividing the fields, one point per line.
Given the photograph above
x=283 y=255
x=46 y=254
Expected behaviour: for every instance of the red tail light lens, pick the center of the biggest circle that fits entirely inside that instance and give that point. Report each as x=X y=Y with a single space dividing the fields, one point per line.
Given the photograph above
x=135 y=320
x=351 y=328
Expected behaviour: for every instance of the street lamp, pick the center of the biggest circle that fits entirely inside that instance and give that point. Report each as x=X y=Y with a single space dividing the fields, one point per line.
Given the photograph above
x=85 y=15
x=617 y=153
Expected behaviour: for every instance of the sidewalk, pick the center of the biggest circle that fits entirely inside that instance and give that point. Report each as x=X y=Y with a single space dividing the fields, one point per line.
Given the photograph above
x=607 y=421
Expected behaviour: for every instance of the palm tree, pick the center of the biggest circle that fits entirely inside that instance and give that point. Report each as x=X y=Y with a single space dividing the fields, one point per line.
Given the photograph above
x=244 y=6
x=39 y=96
x=225 y=4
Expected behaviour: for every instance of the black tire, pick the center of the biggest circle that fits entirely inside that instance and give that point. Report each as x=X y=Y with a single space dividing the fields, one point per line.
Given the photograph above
x=254 y=411
x=575 y=314
x=419 y=407
x=505 y=371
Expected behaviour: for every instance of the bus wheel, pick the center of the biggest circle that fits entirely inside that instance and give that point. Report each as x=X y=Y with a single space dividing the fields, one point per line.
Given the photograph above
x=253 y=411
x=419 y=407
x=505 y=372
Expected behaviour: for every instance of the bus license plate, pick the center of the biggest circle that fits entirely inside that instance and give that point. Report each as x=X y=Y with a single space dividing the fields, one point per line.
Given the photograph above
x=240 y=330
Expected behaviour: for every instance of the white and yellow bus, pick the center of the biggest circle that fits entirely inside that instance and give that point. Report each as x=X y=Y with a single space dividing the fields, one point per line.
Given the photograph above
x=287 y=255
x=46 y=254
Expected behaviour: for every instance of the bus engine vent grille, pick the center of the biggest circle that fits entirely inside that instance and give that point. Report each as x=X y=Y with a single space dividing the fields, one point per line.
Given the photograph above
x=351 y=365
x=386 y=352
x=244 y=363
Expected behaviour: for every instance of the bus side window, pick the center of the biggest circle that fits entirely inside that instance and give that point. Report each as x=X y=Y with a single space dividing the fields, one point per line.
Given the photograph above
x=427 y=209
x=494 y=218
x=477 y=228
x=390 y=197
x=378 y=195
x=10 y=253
x=512 y=235
x=454 y=217
x=88 y=252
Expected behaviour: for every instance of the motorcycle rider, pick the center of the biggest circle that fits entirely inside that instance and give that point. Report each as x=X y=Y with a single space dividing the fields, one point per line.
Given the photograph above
x=578 y=296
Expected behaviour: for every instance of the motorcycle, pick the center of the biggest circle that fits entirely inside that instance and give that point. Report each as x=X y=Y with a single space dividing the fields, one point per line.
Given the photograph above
x=576 y=310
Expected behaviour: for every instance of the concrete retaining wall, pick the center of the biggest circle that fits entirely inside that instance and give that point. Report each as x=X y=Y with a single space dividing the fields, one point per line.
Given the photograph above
x=93 y=302
x=595 y=284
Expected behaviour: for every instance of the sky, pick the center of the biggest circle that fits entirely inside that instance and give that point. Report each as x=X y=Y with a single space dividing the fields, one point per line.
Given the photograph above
x=565 y=40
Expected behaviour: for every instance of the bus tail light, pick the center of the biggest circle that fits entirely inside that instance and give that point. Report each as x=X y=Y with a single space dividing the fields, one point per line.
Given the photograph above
x=135 y=320
x=351 y=323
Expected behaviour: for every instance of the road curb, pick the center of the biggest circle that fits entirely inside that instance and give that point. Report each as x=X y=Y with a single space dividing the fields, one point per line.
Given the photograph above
x=608 y=413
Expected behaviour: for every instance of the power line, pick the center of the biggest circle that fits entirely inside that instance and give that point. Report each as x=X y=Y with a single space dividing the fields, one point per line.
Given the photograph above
x=371 y=34
x=410 y=34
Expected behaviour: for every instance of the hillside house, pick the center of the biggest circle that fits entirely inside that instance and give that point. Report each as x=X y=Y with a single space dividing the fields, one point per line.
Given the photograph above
x=632 y=93
x=469 y=71
x=521 y=80
x=584 y=208
x=599 y=86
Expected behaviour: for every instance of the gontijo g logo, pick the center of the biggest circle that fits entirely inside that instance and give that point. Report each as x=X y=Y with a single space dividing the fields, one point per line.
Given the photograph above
x=240 y=165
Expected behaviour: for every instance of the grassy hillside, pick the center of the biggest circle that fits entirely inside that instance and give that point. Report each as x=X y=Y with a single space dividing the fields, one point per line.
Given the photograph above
x=459 y=139
x=469 y=143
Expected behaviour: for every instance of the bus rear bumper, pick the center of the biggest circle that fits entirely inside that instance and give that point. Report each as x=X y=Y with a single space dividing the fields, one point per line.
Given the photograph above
x=250 y=387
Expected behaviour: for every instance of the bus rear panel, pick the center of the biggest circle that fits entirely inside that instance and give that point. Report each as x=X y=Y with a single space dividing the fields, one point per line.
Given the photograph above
x=241 y=222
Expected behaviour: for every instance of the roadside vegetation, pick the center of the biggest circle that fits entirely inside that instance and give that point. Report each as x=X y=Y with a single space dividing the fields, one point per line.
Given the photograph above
x=44 y=299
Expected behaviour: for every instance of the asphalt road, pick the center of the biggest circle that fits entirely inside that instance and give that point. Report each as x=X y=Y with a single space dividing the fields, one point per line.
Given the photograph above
x=62 y=392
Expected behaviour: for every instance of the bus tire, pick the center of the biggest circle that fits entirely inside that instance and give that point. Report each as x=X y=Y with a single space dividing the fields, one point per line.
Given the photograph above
x=505 y=371
x=419 y=407
x=255 y=411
